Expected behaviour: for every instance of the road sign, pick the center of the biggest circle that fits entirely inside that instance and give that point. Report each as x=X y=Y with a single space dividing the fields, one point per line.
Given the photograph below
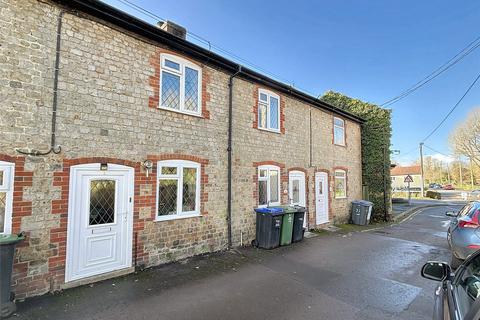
x=408 y=179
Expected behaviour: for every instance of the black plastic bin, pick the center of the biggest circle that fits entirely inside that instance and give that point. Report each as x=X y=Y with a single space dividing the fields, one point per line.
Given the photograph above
x=361 y=212
x=7 y=250
x=298 y=218
x=269 y=224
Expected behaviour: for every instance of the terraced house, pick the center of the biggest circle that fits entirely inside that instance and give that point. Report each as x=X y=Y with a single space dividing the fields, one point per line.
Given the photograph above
x=123 y=145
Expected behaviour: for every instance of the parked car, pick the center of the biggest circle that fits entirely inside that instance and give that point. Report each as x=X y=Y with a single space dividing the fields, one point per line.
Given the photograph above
x=448 y=187
x=458 y=296
x=463 y=234
x=470 y=195
x=434 y=186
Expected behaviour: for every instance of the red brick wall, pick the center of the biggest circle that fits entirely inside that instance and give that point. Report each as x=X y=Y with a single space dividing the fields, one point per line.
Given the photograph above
x=21 y=281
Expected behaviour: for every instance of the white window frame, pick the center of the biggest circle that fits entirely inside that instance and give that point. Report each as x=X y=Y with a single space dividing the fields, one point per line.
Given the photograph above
x=340 y=127
x=269 y=168
x=180 y=73
x=269 y=95
x=344 y=184
x=179 y=164
x=7 y=185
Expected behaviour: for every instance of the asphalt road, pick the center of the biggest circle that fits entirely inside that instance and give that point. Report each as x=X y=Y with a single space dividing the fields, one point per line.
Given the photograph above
x=358 y=275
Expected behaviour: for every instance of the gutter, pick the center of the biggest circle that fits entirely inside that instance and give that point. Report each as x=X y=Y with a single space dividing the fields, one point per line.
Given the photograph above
x=130 y=23
x=53 y=146
x=229 y=151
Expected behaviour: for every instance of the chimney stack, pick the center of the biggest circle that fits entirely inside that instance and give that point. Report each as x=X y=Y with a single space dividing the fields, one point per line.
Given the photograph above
x=173 y=28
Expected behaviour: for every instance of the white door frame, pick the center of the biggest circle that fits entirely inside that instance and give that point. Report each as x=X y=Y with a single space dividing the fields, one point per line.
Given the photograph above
x=298 y=175
x=7 y=186
x=322 y=199
x=127 y=235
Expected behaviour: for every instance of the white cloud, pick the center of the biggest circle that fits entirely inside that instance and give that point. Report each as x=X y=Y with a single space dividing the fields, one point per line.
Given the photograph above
x=442 y=157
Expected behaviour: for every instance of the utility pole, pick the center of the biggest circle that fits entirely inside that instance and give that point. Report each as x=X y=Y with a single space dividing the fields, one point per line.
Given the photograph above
x=461 y=174
x=385 y=183
x=471 y=173
x=448 y=173
x=421 y=170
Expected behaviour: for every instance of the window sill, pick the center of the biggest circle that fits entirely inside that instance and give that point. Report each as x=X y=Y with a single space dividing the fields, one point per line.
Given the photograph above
x=269 y=130
x=276 y=204
x=194 y=114
x=340 y=198
x=340 y=145
x=177 y=217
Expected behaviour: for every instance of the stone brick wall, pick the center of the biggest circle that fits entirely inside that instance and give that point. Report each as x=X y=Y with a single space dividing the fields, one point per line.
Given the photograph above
x=289 y=149
x=106 y=113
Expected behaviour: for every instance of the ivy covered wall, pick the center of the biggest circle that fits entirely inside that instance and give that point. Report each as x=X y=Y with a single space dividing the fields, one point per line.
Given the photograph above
x=376 y=135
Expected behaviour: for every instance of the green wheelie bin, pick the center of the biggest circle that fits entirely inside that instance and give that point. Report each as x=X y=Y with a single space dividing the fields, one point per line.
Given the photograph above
x=287 y=225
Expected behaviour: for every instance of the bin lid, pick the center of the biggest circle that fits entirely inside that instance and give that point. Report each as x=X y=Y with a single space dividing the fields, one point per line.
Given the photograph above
x=10 y=238
x=363 y=203
x=274 y=211
x=286 y=209
x=300 y=209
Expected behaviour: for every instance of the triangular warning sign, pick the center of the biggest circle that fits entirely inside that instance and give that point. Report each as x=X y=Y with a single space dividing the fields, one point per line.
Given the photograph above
x=408 y=178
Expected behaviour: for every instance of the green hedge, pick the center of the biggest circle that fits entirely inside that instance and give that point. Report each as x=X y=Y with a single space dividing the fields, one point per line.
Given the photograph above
x=434 y=195
x=376 y=135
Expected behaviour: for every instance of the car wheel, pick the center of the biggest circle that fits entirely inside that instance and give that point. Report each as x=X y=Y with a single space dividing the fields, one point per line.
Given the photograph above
x=455 y=262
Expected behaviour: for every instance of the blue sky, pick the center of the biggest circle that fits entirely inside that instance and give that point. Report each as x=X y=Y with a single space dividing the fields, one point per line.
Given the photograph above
x=371 y=50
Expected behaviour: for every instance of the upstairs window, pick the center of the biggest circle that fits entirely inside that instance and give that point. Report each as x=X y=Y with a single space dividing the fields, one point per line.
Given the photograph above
x=340 y=184
x=180 y=85
x=6 y=196
x=338 y=131
x=268 y=185
x=268 y=111
x=178 y=189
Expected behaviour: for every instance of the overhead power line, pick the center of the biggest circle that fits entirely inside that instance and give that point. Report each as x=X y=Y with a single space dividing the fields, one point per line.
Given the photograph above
x=437 y=72
x=451 y=110
x=436 y=151
x=216 y=48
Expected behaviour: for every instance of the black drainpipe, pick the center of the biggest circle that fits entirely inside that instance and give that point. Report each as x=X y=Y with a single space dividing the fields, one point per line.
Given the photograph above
x=229 y=150
x=53 y=147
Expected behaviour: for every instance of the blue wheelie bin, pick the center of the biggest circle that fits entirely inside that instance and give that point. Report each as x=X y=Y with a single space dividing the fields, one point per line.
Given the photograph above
x=268 y=227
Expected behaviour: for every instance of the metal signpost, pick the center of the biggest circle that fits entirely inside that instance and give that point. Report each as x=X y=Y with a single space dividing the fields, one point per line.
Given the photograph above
x=408 y=180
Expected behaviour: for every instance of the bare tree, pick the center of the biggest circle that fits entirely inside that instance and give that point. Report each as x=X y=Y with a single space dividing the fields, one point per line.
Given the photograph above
x=465 y=138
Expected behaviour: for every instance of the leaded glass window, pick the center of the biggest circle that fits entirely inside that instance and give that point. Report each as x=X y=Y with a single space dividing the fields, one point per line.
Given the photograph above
x=178 y=188
x=295 y=191
x=262 y=192
x=180 y=85
x=102 y=202
x=268 y=110
x=189 y=189
x=191 y=89
x=268 y=185
x=167 y=195
x=170 y=90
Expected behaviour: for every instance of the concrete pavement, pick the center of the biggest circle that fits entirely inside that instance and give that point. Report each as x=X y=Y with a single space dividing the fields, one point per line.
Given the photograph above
x=358 y=275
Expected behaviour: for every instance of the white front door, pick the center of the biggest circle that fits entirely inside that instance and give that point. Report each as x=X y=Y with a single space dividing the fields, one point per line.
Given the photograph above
x=296 y=190
x=321 y=197
x=100 y=220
